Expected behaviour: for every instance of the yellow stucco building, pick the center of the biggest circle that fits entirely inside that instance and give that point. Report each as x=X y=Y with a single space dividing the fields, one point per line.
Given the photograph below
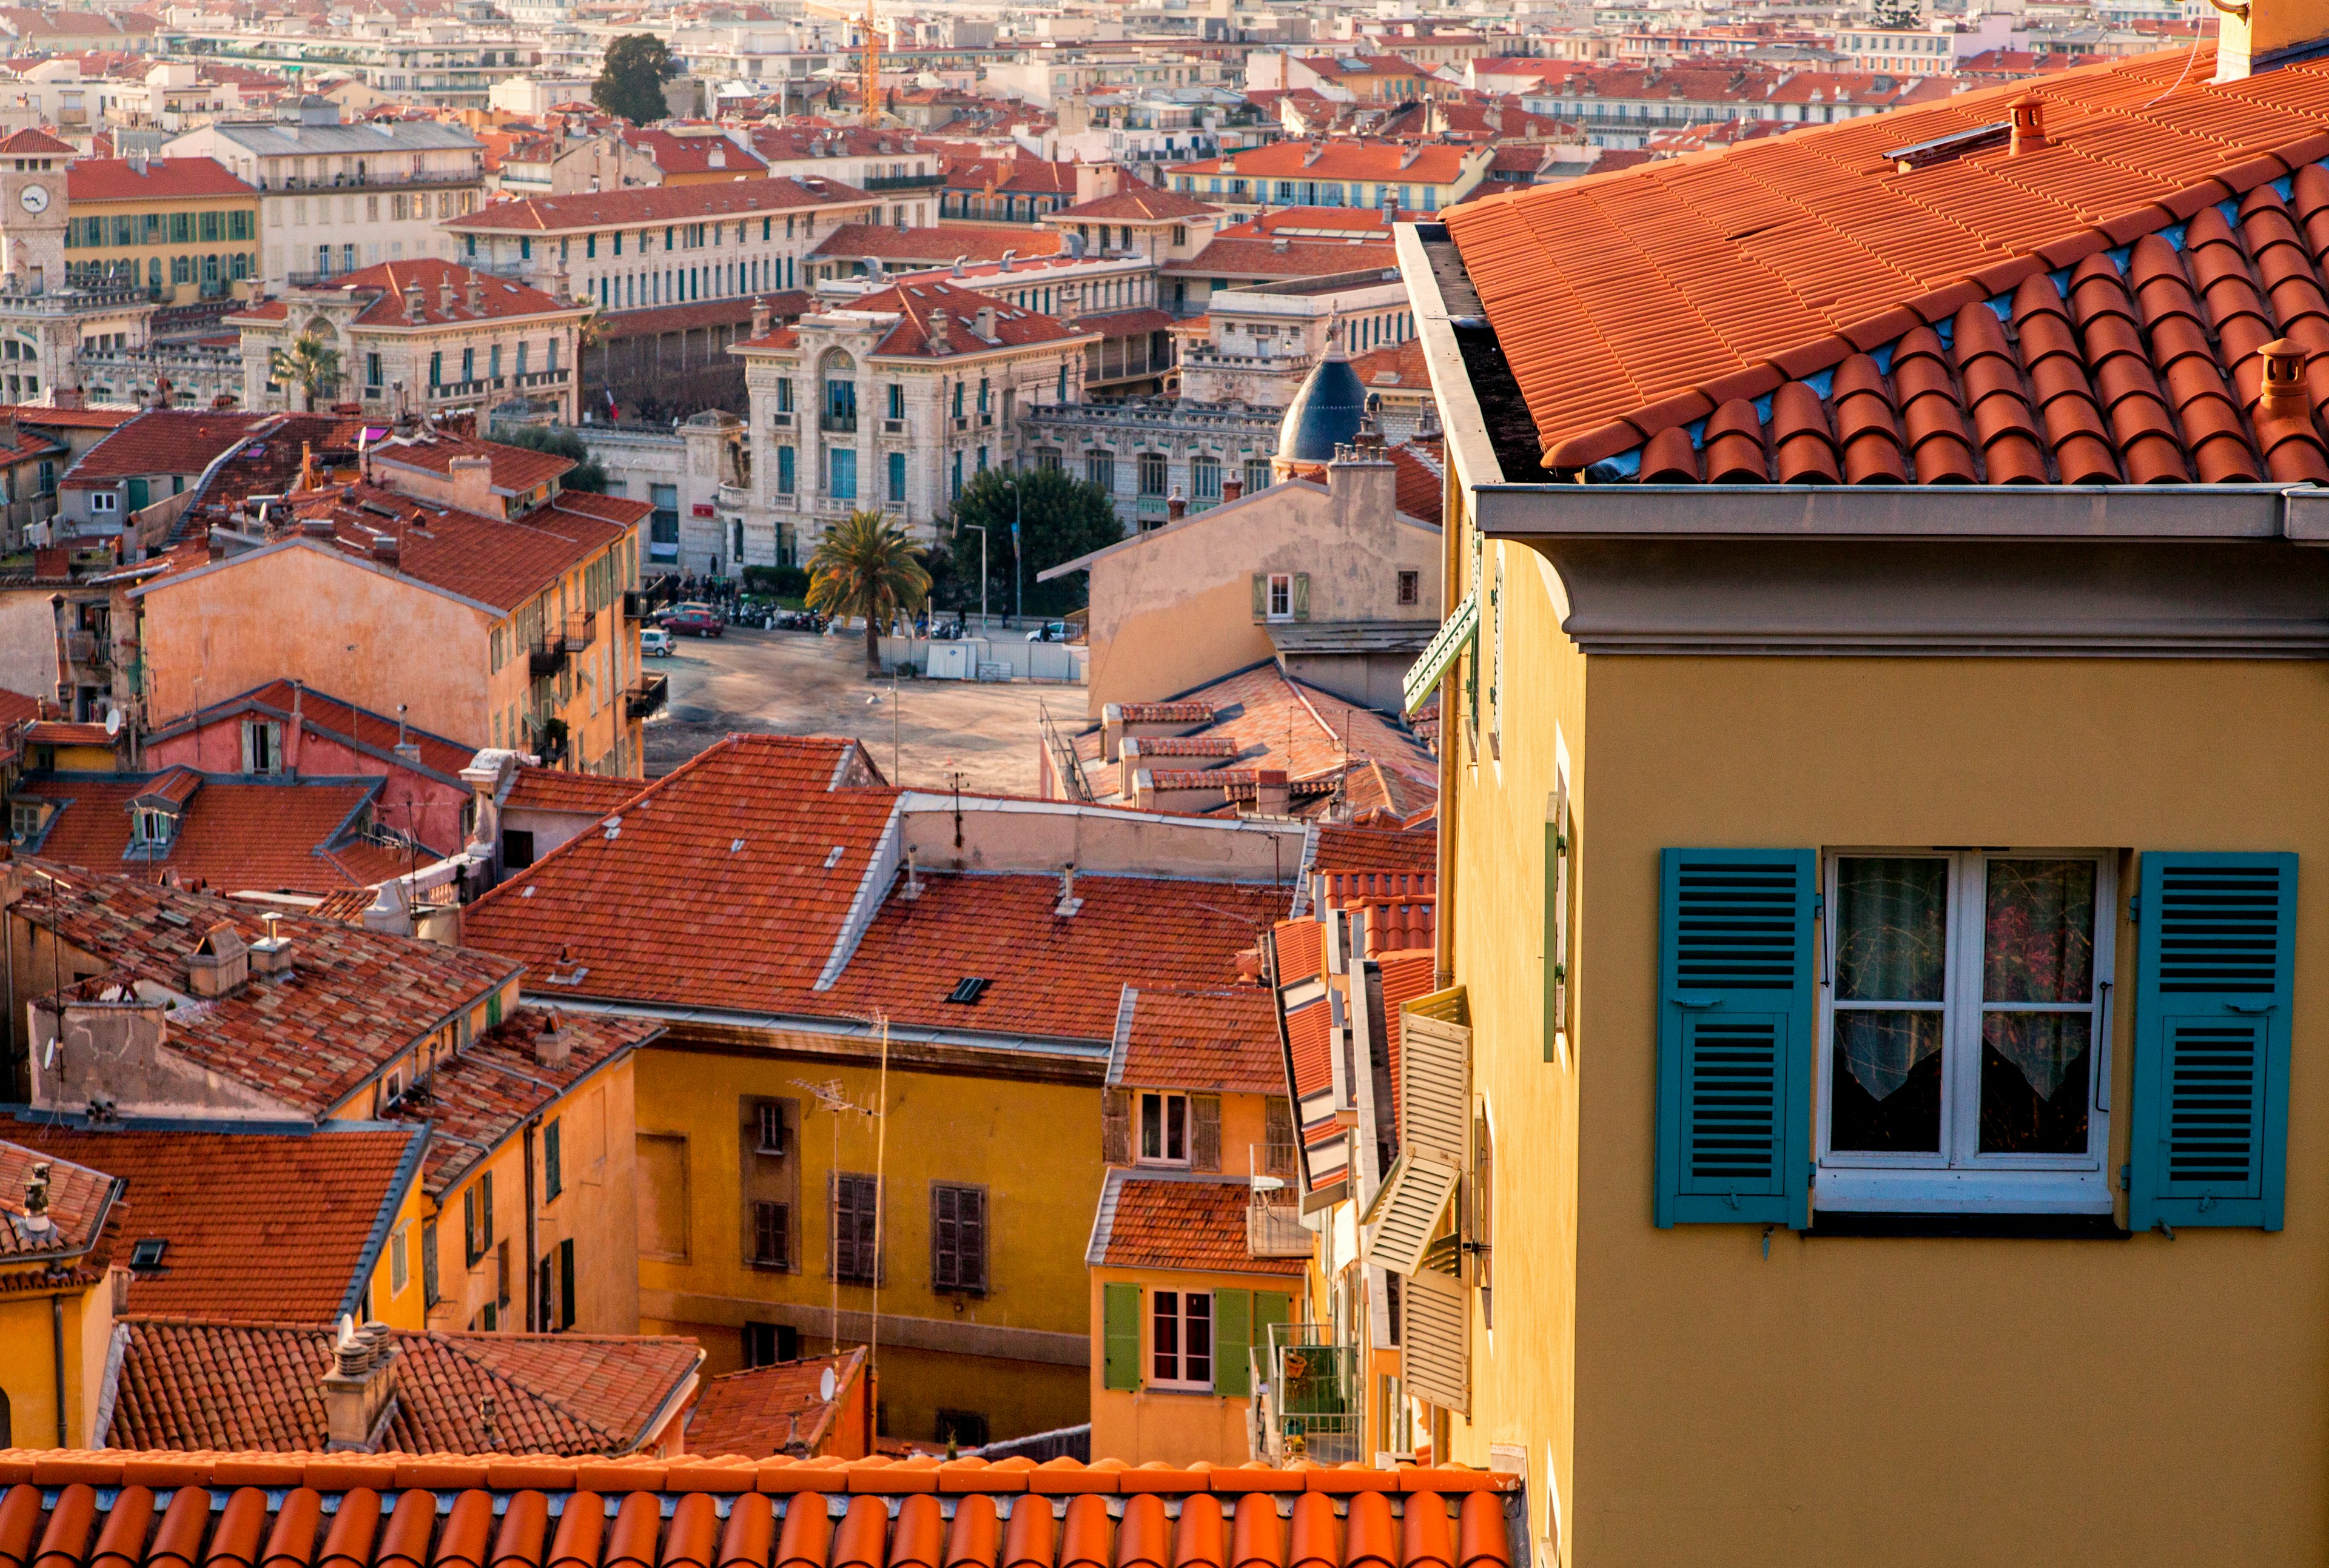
x=184 y=228
x=1878 y=860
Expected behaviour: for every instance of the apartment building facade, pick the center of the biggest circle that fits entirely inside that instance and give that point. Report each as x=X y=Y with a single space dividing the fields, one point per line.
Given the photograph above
x=181 y=229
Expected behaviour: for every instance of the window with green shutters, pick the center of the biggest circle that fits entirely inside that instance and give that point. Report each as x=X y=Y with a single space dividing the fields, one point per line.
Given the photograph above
x=1120 y=1336
x=2215 y=941
x=554 y=1174
x=1734 y=1037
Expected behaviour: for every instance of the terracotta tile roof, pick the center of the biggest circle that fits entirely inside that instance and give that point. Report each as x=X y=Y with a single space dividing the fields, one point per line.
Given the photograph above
x=1301 y=951
x=1695 y=300
x=276 y=836
x=260 y=1222
x=1019 y=175
x=1128 y=322
x=679 y=154
x=913 y=302
x=498 y=298
x=57 y=732
x=16 y=708
x=1341 y=158
x=1477 y=121
x=194 y=1386
x=1399 y=364
x=517 y=469
x=940 y=245
x=1224 y=1040
x=1421 y=482
x=1135 y=203
x=730 y=899
x=79 y=1199
x=1269 y=260
x=164 y=179
x=599 y=210
x=352 y=1003
x=499 y=561
x=65 y=1506
x=756 y=1414
x=785 y=142
x=473 y=1102
x=1196 y=1223
x=28 y=141
x=544 y=789
x=163 y=441
x=1406 y=975
x=1048 y=976
x=1396 y=925
x=1374 y=851
x=41 y=416
x=328 y=716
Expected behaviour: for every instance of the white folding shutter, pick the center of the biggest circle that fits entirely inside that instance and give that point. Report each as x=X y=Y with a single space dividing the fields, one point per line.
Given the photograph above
x=1436 y=1331
x=1407 y=1216
x=1435 y=1110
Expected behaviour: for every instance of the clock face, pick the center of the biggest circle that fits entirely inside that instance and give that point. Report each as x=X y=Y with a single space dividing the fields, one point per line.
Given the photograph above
x=35 y=198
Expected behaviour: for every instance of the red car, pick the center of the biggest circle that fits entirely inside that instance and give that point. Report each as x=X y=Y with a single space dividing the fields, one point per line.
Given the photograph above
x=693 y=618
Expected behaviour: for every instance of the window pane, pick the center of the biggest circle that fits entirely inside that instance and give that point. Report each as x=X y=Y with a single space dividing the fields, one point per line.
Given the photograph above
x=1198 y=1356
x=2038 y=931
x=1892 y=929
x=2034 y=1082
x=1151 y=1127
x=1167 y=1336
x=1177 y=1116
x=1886 y=1096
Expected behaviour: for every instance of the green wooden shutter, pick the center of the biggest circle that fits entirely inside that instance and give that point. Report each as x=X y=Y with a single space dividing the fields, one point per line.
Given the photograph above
x=1121 y=1336
x=1301 y=596
x=1269 y=1307
x=1734 y=1036
x=1232 y=1333
x=1260 y=596
x=566 y=1283
x=2209 y=1141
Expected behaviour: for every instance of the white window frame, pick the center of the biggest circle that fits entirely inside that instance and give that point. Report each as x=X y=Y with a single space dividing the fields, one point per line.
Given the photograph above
x=104 y=500
x=1959 y=1181
x=150 y=825
x=1165 y=1105
x=1280 y=602
x=1167 y=1369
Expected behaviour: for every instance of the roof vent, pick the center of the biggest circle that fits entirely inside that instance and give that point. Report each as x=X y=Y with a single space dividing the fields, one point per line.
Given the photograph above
x=553 y=1042
x=967 y=990
x=2284 y=380
x=1068 y=903
x=834 y=859
x=2029 y=123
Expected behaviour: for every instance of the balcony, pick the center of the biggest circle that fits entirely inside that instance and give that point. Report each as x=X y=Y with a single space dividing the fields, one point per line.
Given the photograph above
x=545 y=660
x=782 y=421
x=552 y=378
x=646 y=696
x=1306 y=1397
x=902 y=182
x=893 y=427
x=1273 y=1225
x=581 y=631
x=838 y=423
x=635 y=605
x=732 y=498
x=88 y=650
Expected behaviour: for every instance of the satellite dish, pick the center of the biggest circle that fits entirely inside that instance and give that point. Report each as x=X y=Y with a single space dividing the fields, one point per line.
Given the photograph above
x=113 y=721
x=824 y=1386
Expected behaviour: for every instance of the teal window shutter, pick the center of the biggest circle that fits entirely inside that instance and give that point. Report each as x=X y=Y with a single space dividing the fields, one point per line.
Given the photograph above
x=1120 y=1336
x=2209 y=1141
x=1735 y=1035
x=1233 y=1337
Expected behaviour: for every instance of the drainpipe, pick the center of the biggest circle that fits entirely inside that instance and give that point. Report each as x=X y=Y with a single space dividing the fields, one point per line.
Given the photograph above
x=532 y=1266
x=57 y=1345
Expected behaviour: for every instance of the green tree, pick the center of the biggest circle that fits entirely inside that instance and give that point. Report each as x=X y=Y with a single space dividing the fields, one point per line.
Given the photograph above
x=559 y=441
x=1061 y=517
x=311 y=364
x=865 y=566
x=631 y=77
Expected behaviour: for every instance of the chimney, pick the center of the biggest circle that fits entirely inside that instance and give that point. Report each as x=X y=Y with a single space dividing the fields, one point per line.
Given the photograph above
x=1272 y=798
x=2283 y=396
x=1111 y=731
x=1068 y=903
x=2028 y=114
x=475 y=291
x=553 y=1042
x=217 y=543
x=448 y=296
x=941 y=333
x=271 y=954
x=473 y=485
x=2264 y=34
x=219 y=965
x=1177 y=505
x=913 y=889
x=984 y=323
x=1233 y=489
x=386 y=549
x=416 y=303
x=361 y=1388
x=759 y=317
x=36 y=1202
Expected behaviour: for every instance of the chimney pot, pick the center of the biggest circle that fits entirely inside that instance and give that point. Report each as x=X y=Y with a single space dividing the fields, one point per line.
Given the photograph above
x=553 y=1042
x=1068 y=903
x=1177 y=505
x=2029 y=121
x=360 y=1388
x=941 y=339
x=2284 y=380
x=1233 y=489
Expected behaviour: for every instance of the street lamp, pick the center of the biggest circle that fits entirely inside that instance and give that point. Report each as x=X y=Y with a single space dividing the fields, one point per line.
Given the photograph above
x=982 y=571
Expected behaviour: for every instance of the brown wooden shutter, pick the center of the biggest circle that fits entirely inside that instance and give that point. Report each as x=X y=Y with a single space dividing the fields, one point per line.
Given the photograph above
x=1278 y=1148
x=1204 y=1132
x=1115 y=1127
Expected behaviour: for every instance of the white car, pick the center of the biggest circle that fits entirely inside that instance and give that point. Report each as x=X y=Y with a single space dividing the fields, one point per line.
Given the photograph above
x=654 y=640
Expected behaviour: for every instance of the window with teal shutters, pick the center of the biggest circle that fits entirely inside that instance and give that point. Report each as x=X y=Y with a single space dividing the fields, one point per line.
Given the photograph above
x=2216 y=936
x=1120 y=1336
x=1735 y=1035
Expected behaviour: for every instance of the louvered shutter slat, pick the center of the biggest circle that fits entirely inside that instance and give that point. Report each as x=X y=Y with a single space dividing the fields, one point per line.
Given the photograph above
x=1434 y=1348
x=2214 y=995
x=1734 y=1037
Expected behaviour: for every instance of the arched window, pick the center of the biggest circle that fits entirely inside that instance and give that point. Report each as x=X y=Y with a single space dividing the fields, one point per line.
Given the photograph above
x=840 y=374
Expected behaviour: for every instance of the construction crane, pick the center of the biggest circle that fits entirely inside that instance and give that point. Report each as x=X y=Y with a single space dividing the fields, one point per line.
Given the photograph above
x=873 y=68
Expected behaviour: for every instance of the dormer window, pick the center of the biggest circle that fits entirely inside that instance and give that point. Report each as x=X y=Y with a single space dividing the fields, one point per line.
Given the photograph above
x=152 y=828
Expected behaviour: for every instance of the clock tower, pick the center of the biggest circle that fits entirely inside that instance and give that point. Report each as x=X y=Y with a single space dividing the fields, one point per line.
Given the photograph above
x=32 y=210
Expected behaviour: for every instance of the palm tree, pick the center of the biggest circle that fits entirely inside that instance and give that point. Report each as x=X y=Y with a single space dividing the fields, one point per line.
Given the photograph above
x=864 y=567
x=310 y=363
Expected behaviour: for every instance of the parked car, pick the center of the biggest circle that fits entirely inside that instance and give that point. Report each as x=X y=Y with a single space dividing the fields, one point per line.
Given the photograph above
x=685 y=607
x=701 y=619
x=654 y=640
x=1049 y=631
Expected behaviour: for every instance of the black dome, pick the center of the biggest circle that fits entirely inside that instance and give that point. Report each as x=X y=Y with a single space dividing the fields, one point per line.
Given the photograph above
x=1324 y=413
